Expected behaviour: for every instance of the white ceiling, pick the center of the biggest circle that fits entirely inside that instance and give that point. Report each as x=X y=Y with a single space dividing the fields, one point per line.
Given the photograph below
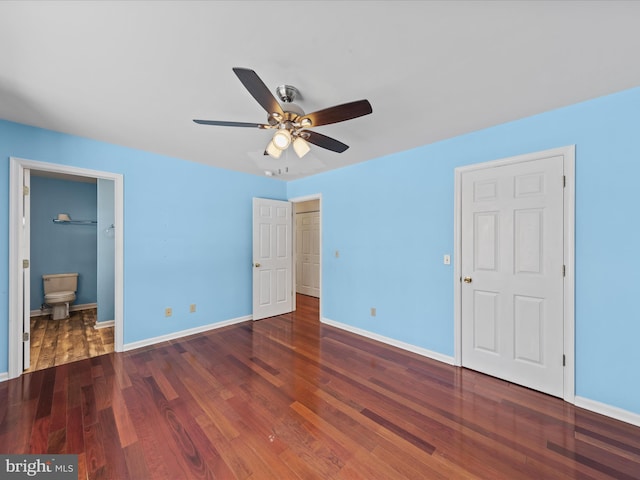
x=137 y=73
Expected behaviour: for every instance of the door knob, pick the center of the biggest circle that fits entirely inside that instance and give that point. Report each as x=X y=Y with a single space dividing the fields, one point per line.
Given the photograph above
x=257 y=265
x=467 y=279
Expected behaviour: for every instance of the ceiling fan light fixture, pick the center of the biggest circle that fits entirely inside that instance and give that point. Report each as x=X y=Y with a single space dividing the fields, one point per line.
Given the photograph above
x=301 y=147
x=273 y=151
x=289 y=120
x=282 y=139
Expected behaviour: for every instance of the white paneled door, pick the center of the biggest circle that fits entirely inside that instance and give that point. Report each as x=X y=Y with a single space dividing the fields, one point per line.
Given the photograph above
x=308 y=253
x=512 y=272
x=272 y=258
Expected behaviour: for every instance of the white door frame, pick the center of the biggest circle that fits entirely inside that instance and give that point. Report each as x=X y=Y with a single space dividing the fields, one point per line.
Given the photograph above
x=16 y=173
x=568 y=154
x=24 y=286
x=315 y=196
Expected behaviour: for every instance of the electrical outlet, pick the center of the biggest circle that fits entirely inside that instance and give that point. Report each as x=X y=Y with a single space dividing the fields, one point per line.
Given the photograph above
x=192 y=308
x=168 y=312
x=373 y=311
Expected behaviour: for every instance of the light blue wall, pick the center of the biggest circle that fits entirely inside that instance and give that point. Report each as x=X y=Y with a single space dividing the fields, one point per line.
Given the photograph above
x=392 y=220
x=106 y=250
x=187 y=231
x=187 y=235
x=60 y=247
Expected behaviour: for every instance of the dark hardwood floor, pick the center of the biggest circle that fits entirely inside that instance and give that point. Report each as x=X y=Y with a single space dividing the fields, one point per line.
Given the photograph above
x=289 y=398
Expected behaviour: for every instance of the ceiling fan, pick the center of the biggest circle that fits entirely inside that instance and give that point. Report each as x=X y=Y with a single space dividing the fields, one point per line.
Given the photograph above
x=289 y=121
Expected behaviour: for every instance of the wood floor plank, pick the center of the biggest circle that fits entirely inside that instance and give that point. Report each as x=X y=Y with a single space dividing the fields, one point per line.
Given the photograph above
x=135 y=460
x=82 y=466
x=240 y=461
x=75 y=434
x=218 y=413
x=93 y=449
x=39 y=435
x=116 y=464
x=290 y=398
x=151 y=444
x=124 y=426
x=204 y=457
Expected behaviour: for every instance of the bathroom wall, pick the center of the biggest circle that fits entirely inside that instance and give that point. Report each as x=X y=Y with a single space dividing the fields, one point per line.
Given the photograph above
x=106 y=251
x=58 y=247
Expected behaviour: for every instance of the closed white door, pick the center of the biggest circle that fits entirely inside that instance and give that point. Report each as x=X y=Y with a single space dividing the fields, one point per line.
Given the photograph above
x=272 y=258
x=512 y=272
x=308 y=253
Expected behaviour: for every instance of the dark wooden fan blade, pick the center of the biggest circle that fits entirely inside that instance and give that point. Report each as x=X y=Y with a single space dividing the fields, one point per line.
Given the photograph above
x=324 y=141
x=258 y=90
x=231 y=124
x=339 y=113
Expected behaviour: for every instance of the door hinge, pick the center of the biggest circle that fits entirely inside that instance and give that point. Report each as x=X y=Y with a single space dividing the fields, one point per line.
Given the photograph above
x=564 y=180
x=25 y=336
x=25 y=263
x=25 y=190
x=564 y=270
x=564 y=360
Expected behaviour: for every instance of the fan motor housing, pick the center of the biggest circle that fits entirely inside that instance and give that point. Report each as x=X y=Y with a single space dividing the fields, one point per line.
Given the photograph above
x=287 y=93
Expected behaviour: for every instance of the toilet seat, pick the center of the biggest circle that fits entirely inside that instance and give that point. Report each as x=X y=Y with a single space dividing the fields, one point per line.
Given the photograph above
x=59 y=297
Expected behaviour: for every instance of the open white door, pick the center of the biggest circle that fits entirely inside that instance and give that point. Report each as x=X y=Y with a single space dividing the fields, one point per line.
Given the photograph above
x=272 y=258
x=25 y=232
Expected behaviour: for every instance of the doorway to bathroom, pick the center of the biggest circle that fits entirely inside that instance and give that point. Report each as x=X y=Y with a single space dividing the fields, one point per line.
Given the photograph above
x=71 y=242
x=75 y=227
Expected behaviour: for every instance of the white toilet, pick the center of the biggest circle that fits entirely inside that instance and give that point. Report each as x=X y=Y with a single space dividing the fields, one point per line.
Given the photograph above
x=59 y=293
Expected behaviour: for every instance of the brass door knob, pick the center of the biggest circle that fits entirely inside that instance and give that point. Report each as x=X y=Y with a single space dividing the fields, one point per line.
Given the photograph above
x=467 y=280
x=257 y=265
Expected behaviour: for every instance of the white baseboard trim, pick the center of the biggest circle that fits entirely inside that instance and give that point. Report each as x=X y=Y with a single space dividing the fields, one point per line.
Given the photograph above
x=4 y=376
x=608 y=410
x=104 y=324
x=183 y=333
x=72 y=308
x=390 y=341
